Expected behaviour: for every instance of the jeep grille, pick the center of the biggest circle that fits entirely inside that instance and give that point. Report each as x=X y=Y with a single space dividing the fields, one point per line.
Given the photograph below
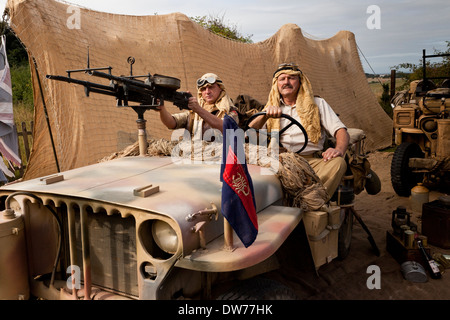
x=112 y=250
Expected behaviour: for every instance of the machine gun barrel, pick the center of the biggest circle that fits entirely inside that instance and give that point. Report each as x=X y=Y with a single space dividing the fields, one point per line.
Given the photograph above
x=90 y=86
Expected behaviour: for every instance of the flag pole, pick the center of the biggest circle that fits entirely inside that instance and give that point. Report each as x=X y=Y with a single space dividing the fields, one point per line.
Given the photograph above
x=227 y=235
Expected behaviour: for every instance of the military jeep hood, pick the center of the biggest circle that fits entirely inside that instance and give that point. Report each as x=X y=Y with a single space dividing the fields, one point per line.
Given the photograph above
x=183 y=187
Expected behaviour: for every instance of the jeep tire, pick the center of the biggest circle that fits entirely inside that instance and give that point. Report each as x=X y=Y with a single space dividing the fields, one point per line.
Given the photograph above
x=403 y=179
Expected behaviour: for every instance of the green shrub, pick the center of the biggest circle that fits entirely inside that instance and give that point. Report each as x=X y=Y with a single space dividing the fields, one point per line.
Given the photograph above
x=21 y=85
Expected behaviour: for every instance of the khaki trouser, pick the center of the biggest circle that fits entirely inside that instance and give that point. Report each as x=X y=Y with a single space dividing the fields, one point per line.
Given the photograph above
x=329 y=172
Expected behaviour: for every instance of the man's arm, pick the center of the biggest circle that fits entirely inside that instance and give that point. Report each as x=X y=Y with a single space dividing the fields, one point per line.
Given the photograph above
x=212 y=120
x=342 y=139
x=166 y=117
x=168 y=120
x=271 y=112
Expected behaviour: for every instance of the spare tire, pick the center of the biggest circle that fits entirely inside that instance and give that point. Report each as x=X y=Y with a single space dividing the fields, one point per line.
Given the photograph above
x=403 y=179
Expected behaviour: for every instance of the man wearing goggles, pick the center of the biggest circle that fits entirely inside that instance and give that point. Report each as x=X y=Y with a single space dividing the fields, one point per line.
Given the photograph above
x=210 y=79
x=292 y=94
x=206 y=110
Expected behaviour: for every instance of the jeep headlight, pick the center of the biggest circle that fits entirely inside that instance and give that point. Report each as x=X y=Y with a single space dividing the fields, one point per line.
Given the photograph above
x=429 y=125
x=165 y=236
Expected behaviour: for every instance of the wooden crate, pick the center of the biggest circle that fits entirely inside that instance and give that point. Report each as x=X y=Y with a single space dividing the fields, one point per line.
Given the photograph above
x=322 y=230
x=397 y=249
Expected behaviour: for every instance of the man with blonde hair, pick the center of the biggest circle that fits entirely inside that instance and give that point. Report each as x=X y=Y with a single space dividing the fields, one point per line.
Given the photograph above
x=206 y=110
x=291 y=94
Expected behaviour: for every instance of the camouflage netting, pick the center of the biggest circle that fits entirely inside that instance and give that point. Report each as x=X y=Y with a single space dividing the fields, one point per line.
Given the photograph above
x=88 y=129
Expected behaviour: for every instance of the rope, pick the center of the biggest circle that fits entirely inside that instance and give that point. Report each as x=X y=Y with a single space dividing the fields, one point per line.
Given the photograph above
x=359 y=49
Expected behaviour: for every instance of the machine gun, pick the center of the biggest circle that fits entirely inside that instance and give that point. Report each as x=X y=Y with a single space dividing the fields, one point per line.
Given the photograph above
x=149 y=93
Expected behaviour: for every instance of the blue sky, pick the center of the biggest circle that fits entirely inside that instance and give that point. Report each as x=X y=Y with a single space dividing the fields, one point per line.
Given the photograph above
x=393 y=33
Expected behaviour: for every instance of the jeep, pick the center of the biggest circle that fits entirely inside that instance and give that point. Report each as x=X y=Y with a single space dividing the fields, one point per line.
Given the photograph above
x=149 y=227
x=422 y=134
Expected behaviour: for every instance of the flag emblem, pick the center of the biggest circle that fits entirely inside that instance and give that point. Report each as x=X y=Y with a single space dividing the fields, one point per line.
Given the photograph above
x=238 y=202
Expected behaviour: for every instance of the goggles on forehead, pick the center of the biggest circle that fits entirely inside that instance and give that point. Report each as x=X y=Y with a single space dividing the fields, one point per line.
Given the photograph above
x=287 y=66
x=202 y=81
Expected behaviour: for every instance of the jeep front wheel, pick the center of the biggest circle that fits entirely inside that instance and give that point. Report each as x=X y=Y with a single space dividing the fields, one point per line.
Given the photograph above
x=403 y=178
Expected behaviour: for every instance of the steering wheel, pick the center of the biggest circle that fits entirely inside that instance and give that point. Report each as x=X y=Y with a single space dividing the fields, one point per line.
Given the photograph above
x=292 y=122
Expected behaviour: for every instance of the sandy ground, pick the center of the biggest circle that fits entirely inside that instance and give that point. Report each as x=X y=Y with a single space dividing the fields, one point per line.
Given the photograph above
x=347 y=279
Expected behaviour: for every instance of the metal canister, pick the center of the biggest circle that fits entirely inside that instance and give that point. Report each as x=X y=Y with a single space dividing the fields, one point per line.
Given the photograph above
x=409 y=239
x=13 y=259
x=419 y=196
x=424 y=240
x=403 y=228
x=414 y=271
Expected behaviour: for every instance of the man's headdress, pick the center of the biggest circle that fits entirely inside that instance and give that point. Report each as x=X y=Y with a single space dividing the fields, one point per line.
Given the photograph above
x=305 y=105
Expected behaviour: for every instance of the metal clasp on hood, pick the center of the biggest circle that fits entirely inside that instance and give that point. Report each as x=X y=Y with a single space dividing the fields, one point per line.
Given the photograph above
x=205 y=213
x=204 y=216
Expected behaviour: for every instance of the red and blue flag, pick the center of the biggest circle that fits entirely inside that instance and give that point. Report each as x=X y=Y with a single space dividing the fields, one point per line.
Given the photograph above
x=238 y=202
